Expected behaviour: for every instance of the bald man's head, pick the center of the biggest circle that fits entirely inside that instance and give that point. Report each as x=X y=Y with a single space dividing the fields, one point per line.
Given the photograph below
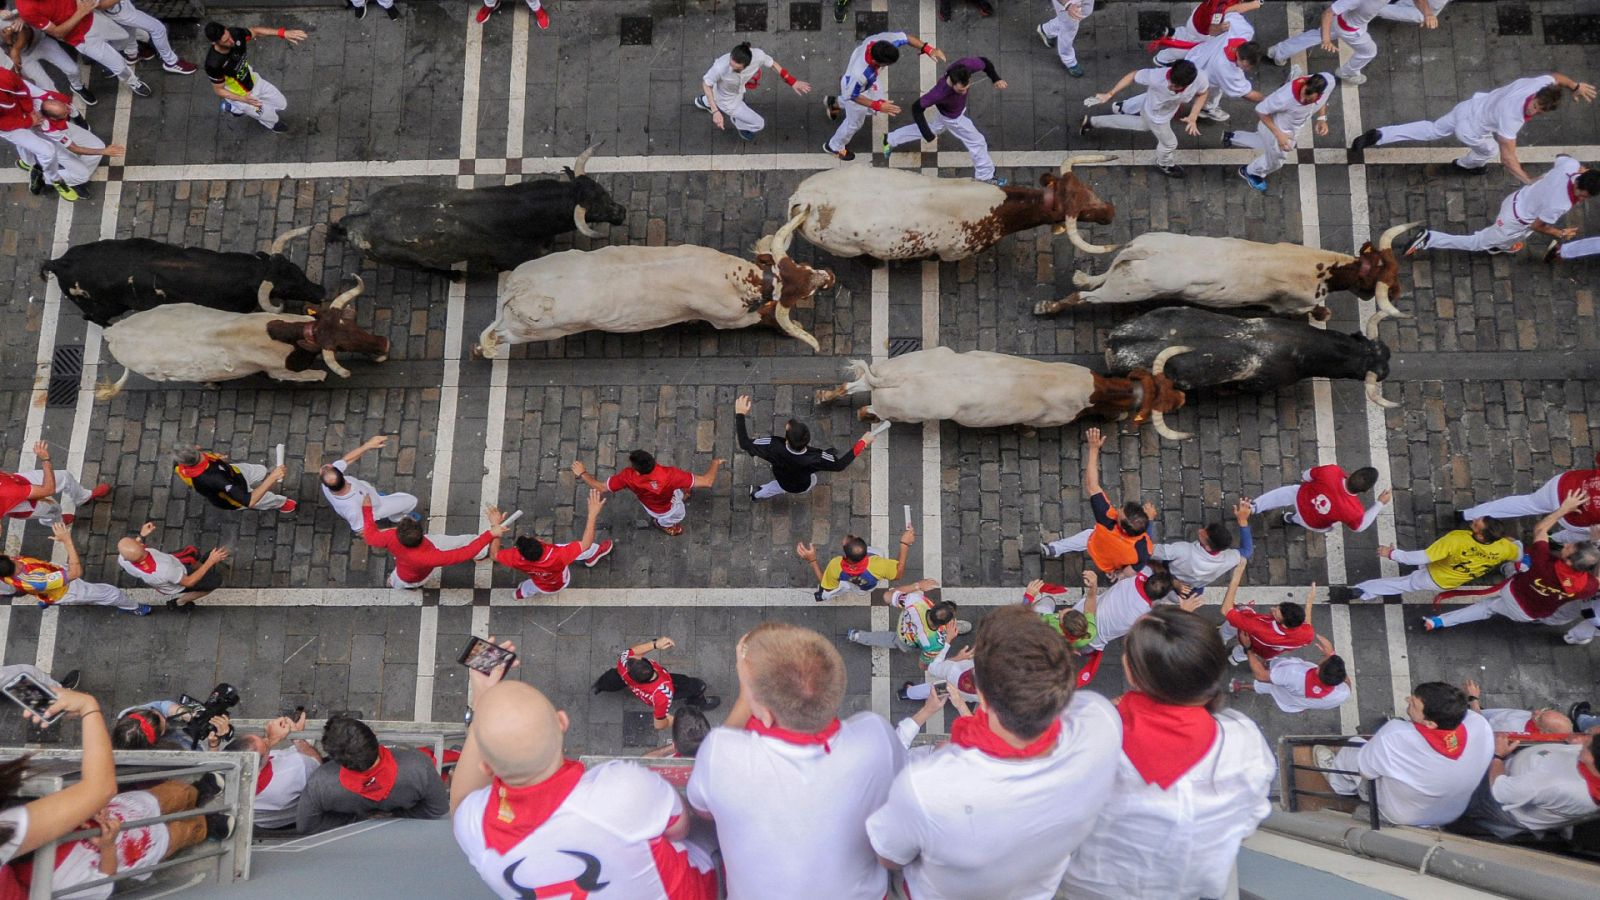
x=55 y=109
x=130 y=549
x=1552 y=722
x=519 y=732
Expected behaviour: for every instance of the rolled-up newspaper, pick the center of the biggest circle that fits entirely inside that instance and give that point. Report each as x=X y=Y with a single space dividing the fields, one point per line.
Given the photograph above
x=908 y=515
x=511 y=518
x=280 y=454
x=880 y=428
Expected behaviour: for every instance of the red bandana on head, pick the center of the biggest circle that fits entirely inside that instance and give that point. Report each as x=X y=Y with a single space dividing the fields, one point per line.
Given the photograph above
x=1231 y=50
x=514 y=812
x=1449 y=743
x=1299 y=90
x=1315 y=689
x=973 y=732
x=375 y=783
x=1590 y=781
x=798 y=738
x=1164 y=742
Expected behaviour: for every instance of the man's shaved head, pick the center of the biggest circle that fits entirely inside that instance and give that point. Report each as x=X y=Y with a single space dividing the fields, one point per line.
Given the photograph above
x=130 y=549
x=1552 y=722
x=519 y=732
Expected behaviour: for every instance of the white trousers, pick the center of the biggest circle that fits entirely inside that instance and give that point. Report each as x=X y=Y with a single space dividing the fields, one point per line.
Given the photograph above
x=672 y=516
x=1586 y=629
x=739 y=112
x=1501 y=604
x=46 y=511
x=1135 y=117
x=1502 y=236
x=386 y=4
x=272 y=102
x=32 y=147
x=1584 y=247
x=1406 y=11
x=1418 y=580
x=71 y=168
x=1542 y=502
x=1279 y=498
x=1364 y=50
x=1064 y=29
x=533 y=5
x=441 y=542
x=253 y=476
x=1076 y=543
x=101 y=44
x=855 y=115
x=85 y=593
x=773 y=489
x=135 y=20
x=1481 y=146
x=528 y=588
x=962 y=129
x=46 y=50
x=1349 y=759
x=1272 y=156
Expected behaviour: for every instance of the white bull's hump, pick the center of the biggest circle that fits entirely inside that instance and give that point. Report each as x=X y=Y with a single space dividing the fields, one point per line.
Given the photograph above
x=1216 y=271
x=188 y=342
x=1234 y=250
x=979 y=389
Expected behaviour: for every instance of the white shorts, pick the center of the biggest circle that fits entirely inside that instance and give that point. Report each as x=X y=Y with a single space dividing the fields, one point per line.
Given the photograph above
x=673 y=515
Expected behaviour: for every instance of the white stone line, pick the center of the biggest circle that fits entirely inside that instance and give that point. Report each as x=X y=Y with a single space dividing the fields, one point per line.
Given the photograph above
x=931 y=527
x=478 y=628
x=880 y=664
x=427 y=650
x=518 y=94
x=5 y=627
x=471 y=67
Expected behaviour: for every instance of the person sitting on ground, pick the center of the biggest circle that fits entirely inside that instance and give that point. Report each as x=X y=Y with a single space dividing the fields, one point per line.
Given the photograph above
x=362 y=778
x=1535 y=790
x=1543 y=720
x=1078 y=624
x=1119 y=542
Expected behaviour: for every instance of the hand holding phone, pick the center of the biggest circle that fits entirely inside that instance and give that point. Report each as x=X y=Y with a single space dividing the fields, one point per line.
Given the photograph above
x=488 y=661
x=35 y=698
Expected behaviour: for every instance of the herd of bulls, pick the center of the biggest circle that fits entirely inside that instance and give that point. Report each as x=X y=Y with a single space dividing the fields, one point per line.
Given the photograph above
x=206 y=316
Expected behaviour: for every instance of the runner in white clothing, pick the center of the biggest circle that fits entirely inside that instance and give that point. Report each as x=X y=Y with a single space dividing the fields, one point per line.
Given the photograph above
x=1061 y=32
x=344 y=492
x=77 y=151
x=1487 y=122
x=32 y=494
x=281 y=772
x=92 y=34
x=1344 y=20
x=1201 y=562
x=181 y=577
x=1297 y=685
x=1227 y=61
x=1166 y=90
x=1534 y=208
x=723 y=87
x=135 y=20
x=1282 y=115
x=1414 y=12
x=861 y=94
x=1208 y=19
x=27 y=50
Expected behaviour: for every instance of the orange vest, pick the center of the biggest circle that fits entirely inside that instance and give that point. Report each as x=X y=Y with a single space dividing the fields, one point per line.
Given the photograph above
x=1112 y=549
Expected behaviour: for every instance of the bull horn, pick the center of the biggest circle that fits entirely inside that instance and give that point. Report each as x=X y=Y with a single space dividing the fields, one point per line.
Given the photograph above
x=333 y=364
x=1371 y=328
x=343 y=299
x=1162 y=358
x=1380 y=294
x=785 y=235
x=1386 y=240
x=264 y=299
x=1078 y=241
x=105 y=390
x=1086 y=158
x=582 y=162
x=1375 y=394
x=780 y=314
x=580 y=218
x=284 y=239
x=1158 y=420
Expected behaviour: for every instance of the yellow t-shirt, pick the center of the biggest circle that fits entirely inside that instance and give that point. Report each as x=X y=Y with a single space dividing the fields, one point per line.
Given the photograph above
x=1457 y=558
x=879 y=572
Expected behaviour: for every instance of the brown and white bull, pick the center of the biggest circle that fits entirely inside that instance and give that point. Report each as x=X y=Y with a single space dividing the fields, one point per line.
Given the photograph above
x=186 y=342
x=1229 y=273
x=623 y=289
x=980 y=389
x=894 y=214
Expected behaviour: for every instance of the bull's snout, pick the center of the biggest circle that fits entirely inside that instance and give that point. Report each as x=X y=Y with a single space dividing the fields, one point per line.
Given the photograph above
x=1100 y=213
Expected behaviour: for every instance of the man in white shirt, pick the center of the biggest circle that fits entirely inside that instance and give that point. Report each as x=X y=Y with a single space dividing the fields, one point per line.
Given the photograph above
x=1198 y=563
x=1033 y=759
x=1543 y=720
x=1282 y=114
x=1486 y=123
x=723 y=87
x=1208 y=19
x=1534 y=208
x=344 y=492
x=1061 y=32
x=1297 y=685
x=1426 y=765
x=281 y=772
x=788 y=785
x=1535 y=790
x=1343 y=20
x=861 y=94
x=1165 y=91
x=181 y=577
x=1227 y=61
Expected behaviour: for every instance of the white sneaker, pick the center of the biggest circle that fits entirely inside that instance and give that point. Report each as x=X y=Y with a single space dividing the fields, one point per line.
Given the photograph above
x=1215 y=115
x=1576 y=642
x=1322 y=756
x=1238 y=657
x=1047 y=551
x=1352 y=78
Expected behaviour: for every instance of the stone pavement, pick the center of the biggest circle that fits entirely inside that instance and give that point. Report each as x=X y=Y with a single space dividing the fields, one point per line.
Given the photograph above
x=1495 y=373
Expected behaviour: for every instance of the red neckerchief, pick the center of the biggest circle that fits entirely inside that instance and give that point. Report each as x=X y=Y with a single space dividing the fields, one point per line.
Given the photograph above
x=1532 y=727
x=194 y=471
x=1091 y=665
x=146 y=565
x=375 y=783
x=1449 y=743
x=1590 y=781
x=854 y=568
x=966 y=684
x=1231 y=49
x=1164 y=742
x=974 y=733
x=264 y=777
x=512 y=813
x=1315 y=688
x=798 y=738
x=754 y=82
x=1572 y=190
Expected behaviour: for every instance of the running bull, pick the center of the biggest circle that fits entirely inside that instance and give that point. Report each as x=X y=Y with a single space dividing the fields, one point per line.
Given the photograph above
x=1229 y=273
x=989 y=390
x=433 y=227
x=893 y=214
x=109 y=278
x=1258 y=355
x=622 y=289
x=185 y=342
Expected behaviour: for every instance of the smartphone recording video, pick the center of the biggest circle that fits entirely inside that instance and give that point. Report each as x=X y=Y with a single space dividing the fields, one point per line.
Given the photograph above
x=484 y=656
x=31 y=695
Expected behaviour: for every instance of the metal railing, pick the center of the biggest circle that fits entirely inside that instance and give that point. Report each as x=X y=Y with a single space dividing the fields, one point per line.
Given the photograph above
x=1289 y=792
x=436 y=735
x=225 y=862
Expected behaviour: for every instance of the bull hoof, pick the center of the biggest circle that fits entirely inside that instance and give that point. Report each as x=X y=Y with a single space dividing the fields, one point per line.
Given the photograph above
x=1047 y=307
x=866 y=414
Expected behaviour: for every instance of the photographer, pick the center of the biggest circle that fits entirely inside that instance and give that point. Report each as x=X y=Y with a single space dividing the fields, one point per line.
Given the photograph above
x=25 y=828
x=182 y=724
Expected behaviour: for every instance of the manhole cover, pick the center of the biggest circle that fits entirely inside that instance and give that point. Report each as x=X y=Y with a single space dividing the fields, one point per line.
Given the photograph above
x=805 y=17
x=1581 y=29
x=1154 y=24
x=637 y=31
x=1514 y=21
x=902 y=345
x=749 y=17
x=870 y=23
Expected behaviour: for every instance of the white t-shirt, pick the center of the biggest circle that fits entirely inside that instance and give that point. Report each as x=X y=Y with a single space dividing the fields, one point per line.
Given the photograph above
x=860 y=79
x=1512 y=720
x=1353 y=15
x=164 y=578
x=1161 y=103
x=959 y=820
x=1118 y=607
x=943 y=669
x=1542 y=788
x=1549 y=198
x=278 y=802
x=1287 y=112
x=609 y=829
x=1288 y=686
x=348 y=505
x=17 y=818
x=1211 y=58
x=1417 y=785
x=1500 y=112
x=727 y=85
x=1193 y=564
x=137 y=848
x=1183 y=841
x=792 y=819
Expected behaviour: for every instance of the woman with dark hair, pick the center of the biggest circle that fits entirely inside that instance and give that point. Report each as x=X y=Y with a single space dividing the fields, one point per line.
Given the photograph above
x=1192 y=780
x=26 y=827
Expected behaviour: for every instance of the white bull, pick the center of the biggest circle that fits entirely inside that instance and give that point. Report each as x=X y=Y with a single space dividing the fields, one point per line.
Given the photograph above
x=979 y=389
x=624 y=289
x=1229 y=273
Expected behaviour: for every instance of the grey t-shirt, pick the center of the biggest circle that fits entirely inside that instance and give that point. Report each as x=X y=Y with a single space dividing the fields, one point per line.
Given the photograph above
x=418 y=793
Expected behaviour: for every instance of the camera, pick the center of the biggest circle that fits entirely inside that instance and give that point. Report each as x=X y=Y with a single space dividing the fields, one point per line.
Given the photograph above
x=223 y=698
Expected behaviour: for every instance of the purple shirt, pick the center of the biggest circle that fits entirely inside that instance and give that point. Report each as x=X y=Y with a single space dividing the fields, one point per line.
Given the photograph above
x=950 y=102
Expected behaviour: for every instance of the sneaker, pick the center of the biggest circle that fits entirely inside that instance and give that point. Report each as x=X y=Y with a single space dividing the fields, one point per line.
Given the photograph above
x=1354 y=78
x=131 y=57
x=1576 y=642
x=1172 y=171
x=838 y=10
x=887 y=147
x=1086 y=126
x=1259 y=185
x=394 y=13
x=1075 y=70
x=1048 y=552
x=289 y=506
x=86 y=95
x=1551 y=253
x=1322 y=756
x=1239 y=656
x=1235 y=685
x=361 y=11
x=671 y=530
x=26 y=167
x=139 y=88
x=752 y=492
x=708 y=702
x=830 y=106
x=181 y=67
x=1581 y=708
x=278 y=127
x=1227 y=138
x=1429 y=623
x=846 y=154
x=1421 y=243
x=484 y=12
x=207 y=788
x=1459 y=169
x=1047 y=39
x=996 y=181
x=71 y=679
x=816 y=596
x=747 y=136
x=542 y=19
x=1287 y=517
x=963 y=626
x=219 y=826
x=902 y=692
x=852 y=634
x=142 y=609
x=36 y=180
x=1365 y=139
x=602 y=553
x=100 y=491
x=519 y=595
x=67 y=193
x=228 y=108
x=1215 y=115
x=700 y=103
x=1341 y=593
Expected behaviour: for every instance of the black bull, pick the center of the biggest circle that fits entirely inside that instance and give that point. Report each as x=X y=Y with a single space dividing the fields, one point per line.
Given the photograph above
x=109 y=278
x=1249 y=354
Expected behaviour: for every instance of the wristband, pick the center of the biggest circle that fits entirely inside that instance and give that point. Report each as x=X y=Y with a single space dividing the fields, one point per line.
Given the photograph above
x=280 y=32
x=927 y=49
x=1501 y=758
x=787 y=78
x=876 y=106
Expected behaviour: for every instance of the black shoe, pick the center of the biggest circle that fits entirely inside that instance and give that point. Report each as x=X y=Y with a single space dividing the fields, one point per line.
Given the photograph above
x=902 y=692
x=361 y=11
x=70 y=680
x=1551 y=253
x=846 y=154
x=279 y=128
x=393 y=11
x=207 y=789
x=1342 y=593
x=86 y=95
x=707 y=702
x=219 y=826
x=817 y=595
x=944 y=10
x=1459 y=169
x=139 y=88
x=1085 y=126
x=1366 y=139
x=1227 y=138
x=1172 y=171
x=1581 y=708
x=839 y=8
x=830 y=107
x=36 y=180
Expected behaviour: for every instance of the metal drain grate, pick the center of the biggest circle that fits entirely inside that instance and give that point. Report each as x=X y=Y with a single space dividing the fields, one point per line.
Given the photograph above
x=1580 y=29
x=1514 y=21
x=749 y=17
x=900 y=346
x=805 y=17
x=870 y=23
x=637 y=31
x=66 y=373
x=1153 y=24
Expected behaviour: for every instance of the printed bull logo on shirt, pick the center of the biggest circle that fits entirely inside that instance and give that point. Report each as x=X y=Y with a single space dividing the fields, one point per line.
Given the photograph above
x=577 y=888
x=1321 y=503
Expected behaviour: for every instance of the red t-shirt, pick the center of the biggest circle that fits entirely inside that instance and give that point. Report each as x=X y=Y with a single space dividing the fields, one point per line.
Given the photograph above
x=1582 y=480
x=16 y=102
x=653 y=490
x=549 y=571
x=1267 y=637
x=1323 y=500
x=1549 y=583
x=14 y=489
x=656 y=694
x=42 y=14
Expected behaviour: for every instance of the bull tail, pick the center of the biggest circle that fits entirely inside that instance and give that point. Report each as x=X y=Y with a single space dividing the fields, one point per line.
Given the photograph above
x=860 y=371
x=488 y=346
x=107 y=389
